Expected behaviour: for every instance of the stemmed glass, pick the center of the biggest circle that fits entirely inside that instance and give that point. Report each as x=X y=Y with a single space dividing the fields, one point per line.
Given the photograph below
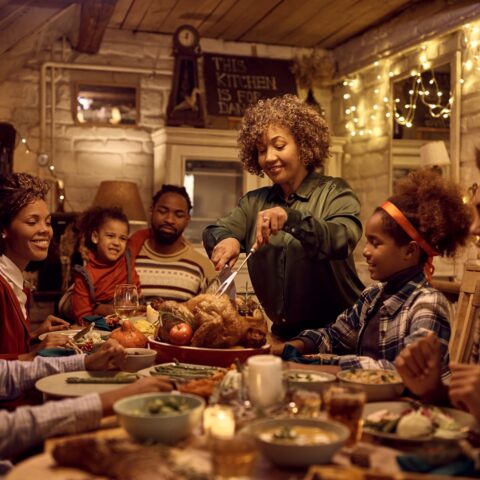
x=125 y=300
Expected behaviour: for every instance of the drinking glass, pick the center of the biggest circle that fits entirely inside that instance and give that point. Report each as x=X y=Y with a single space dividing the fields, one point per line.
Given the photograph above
x=233 y=458
x=125 y=300
x=345 y=404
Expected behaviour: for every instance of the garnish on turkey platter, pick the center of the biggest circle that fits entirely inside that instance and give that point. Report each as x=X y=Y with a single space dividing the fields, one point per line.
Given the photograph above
x=216 y=322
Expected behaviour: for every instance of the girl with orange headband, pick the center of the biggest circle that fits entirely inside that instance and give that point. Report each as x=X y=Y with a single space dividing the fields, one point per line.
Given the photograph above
x=426 y=217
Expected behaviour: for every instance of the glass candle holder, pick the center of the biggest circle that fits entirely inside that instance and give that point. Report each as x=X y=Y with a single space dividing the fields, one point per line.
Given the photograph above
x=219 y=422
x=264 y=379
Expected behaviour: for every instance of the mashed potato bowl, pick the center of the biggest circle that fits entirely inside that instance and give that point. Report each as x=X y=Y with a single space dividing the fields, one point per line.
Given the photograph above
x=309 y=380
x=162 y=417
x=299 y=442
x=379 y=385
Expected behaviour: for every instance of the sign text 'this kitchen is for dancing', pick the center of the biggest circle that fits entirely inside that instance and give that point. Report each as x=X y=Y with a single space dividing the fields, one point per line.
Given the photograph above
x=234 y=82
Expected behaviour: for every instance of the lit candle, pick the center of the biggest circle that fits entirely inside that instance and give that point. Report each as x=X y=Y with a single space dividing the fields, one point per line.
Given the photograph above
x=219 y=421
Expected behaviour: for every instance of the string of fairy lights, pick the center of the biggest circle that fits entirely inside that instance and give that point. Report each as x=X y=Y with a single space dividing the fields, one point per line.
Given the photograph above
x=365 y=109
x=44 y=160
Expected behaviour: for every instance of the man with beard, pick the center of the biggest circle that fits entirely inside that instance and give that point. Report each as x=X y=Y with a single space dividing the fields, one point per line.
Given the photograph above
x=167 y=264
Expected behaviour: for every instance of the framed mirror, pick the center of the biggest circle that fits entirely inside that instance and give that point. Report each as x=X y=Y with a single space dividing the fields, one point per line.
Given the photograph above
x=112 y=105
x=425 y=129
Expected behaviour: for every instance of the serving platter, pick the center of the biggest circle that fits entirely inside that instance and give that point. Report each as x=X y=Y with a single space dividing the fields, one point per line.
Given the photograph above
x=463 y=419
x=217 y=357
x=174 y=370
x=57 y=386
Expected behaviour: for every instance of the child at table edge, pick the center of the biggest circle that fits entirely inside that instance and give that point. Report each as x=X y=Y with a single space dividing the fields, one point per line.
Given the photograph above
x=425 y=217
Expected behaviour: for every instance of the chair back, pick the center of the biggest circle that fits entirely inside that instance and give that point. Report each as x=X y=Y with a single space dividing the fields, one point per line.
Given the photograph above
x=466 y=327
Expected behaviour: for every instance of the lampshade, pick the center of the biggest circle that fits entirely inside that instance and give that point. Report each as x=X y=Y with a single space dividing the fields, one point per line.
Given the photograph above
x=117 y=193
x=434 y=153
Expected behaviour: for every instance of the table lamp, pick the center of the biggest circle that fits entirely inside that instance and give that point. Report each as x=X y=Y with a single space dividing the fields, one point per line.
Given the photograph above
x=123 y=194
x=434 y=155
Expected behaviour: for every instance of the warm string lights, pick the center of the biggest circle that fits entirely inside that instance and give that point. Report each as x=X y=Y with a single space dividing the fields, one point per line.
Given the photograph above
x=44 y=161
x=366 y=109
x=425 y=88
x=471 y=50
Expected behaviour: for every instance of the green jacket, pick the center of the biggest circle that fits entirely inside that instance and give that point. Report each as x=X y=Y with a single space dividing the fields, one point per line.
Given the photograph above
x=305 y=276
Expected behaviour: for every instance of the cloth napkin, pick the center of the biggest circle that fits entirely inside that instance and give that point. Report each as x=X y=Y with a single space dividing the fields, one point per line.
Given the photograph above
x=291 y=354
x=56 y=352
x=100 y=322
x=462 y=466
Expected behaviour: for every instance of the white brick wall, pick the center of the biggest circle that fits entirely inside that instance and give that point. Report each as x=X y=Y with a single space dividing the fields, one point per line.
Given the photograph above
x=87 y=155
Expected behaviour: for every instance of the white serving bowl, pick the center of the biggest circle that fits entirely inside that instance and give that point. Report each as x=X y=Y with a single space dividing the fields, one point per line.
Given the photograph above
x=312 y=380
x=162 y=428
x=138 y=359
x=376 y=392
x=292 y=455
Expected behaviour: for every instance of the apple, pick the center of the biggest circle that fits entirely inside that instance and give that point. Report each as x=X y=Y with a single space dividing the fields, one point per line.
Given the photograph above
x=180 y=334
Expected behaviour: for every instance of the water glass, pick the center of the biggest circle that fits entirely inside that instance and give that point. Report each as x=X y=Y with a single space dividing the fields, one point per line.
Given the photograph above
x=345 y=404
x=125 y=300
x=233 y=458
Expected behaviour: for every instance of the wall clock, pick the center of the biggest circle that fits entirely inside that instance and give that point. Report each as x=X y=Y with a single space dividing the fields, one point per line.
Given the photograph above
x=185 y=104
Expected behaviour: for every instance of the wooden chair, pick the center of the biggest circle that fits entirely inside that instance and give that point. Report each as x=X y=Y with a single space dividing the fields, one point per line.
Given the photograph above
x=466 y=326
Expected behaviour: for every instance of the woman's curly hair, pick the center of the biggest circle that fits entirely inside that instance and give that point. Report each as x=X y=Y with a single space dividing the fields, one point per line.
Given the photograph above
x=93 y=219
x=435 y=207
x=16 y=191
x=306 y=125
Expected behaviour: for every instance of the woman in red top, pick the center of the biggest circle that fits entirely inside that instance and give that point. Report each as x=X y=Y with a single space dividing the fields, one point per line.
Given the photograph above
x=105 y=232
x=25 y=236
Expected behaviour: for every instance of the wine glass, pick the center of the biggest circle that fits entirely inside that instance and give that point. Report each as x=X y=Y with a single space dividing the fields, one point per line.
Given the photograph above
x=125 y=300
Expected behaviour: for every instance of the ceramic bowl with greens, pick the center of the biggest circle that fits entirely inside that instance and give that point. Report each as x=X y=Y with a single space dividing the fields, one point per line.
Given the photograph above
x=162 y=417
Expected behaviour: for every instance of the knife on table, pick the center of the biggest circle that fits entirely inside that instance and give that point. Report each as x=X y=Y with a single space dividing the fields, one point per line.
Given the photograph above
x=79 y=335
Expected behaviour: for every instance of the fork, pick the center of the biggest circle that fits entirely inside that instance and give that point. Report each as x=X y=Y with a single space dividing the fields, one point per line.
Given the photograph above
x=226 y=283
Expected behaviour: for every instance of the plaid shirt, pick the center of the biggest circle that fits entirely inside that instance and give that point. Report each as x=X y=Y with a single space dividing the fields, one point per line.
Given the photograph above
x=30 y=425
x=404 y=317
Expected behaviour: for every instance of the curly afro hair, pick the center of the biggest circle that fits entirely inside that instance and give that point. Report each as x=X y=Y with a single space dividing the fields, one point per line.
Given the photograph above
x=434 y=206
x=306 y=125
x=93 y=219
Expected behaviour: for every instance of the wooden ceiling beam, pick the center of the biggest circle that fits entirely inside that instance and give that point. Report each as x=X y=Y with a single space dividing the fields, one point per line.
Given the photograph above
x=95 y=16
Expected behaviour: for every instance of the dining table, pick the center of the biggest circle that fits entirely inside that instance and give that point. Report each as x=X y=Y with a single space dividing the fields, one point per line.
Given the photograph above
x=368 y=459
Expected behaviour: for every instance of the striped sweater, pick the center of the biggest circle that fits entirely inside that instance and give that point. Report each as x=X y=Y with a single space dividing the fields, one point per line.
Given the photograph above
x=178 y=276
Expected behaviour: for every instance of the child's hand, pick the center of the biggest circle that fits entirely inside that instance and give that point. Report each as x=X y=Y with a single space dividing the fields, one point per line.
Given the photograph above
x=51 y=324
x=420 y=366
x=104 y=309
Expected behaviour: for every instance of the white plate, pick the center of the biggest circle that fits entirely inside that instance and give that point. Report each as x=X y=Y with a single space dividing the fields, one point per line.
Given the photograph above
x=57 y=386
x=71 y=333
x=464 y=419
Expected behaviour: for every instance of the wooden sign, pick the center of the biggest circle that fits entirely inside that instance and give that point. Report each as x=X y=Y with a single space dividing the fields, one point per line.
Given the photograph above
x=234 y=82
